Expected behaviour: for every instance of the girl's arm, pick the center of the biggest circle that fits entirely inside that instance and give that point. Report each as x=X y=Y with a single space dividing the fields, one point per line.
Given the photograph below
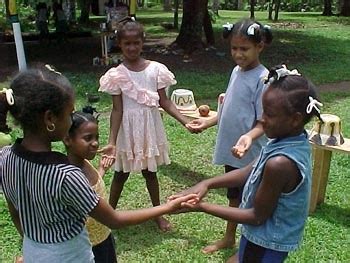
x=199 y=125
x=15 y=217
x=280 y=175
x=170 y=107
x=245 y=141
x=115 y=118
x=106 y=215
x=235 y=178
x=108 y=152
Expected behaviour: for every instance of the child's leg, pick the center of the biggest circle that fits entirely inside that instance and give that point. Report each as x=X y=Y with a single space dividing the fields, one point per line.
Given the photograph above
x=117 y=185
x=153 y=190
x=250 y=252
x=228 y=241
x=105 y=251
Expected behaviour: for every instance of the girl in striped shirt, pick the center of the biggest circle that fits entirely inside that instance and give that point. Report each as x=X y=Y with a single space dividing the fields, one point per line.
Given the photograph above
x=48 y=198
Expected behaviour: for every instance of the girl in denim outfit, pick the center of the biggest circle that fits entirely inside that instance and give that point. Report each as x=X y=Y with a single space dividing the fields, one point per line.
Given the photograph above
x=277 y=184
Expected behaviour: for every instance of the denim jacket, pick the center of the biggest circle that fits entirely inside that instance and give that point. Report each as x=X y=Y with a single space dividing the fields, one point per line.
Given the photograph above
x=284 y=229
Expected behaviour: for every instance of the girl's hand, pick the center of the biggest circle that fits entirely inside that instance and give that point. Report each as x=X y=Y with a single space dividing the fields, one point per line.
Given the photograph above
x=196 y=126
x=242 y=146
x=199 y=189
x=108 y=155
x=191 y=207
x=178 y=203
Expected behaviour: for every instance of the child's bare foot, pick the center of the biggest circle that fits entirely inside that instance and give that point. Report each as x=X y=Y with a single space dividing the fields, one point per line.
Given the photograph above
x=233 y=259
x=217 y=245
x=163 y=224
x=19 y=259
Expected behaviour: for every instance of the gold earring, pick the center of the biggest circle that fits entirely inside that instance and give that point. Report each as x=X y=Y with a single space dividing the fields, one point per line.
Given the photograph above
x=51 y=128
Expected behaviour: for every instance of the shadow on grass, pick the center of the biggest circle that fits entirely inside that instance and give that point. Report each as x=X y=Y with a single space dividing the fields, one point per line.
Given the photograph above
x=147 y=235
x=333 y=214
x=189 y=178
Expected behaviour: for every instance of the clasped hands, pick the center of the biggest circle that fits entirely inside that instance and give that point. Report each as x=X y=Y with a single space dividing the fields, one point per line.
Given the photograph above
x=193 y=204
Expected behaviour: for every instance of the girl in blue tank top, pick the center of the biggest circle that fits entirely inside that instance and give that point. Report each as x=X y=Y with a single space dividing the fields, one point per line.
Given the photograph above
x=277 y=184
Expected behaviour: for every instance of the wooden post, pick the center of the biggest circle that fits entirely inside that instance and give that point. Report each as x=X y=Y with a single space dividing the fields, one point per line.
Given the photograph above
x=321 y=164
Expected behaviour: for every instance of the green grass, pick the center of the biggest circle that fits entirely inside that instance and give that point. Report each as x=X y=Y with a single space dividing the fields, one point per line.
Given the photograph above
x=319 y=51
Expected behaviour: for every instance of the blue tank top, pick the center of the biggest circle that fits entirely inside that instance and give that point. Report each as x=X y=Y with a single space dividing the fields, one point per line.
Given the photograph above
x=284 y=229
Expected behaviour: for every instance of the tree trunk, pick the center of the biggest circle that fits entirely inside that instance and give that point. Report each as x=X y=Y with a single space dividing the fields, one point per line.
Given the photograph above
x=252 y=5
x=167 y=5
x=69 y=10
x=85 y=11
x=277 y=8
x=216 y=6
x=327 y=8
x=208 y=29
x=195 y=16
x=176 y=14
x=239 y=4
x=7 y=8
x=345 y=9
x=271 y=4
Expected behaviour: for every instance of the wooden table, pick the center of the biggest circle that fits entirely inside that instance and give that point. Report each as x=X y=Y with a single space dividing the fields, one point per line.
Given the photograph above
x=193 y=114
x=322 y=156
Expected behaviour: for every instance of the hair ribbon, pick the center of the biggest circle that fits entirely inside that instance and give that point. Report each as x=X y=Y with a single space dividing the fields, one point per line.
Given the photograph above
x=228 y=26
x=313 y=104
x=251 y=29
x=9 y=96
x=282 y=72
x=52 y=69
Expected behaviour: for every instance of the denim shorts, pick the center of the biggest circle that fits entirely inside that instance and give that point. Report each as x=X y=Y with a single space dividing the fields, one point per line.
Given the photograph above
x=75 y=250
x=252 y=253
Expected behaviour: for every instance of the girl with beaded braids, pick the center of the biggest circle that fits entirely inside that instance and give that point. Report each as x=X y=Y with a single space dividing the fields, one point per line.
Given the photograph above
x=277 y=184
x=48 y=198
x=239 y=126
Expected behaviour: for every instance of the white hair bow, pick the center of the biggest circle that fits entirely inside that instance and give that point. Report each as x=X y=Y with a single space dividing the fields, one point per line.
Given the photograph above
x=52 y=69
x=282 y=72
x=251 y=28
x=9 y=96
x=313 y=104
x=228 y=26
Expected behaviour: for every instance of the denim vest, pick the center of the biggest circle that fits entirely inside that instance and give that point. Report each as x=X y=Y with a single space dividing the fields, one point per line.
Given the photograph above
x=284 y=229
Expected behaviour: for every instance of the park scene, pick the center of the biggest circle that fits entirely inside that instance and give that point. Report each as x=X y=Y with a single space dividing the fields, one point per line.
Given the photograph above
x=79 y=40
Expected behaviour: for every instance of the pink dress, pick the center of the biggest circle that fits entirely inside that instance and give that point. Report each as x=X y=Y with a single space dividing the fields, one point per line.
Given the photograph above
x=141 y=141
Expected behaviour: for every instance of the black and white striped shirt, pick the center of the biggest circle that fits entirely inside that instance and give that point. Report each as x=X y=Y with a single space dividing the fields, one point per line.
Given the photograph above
x=51 y=196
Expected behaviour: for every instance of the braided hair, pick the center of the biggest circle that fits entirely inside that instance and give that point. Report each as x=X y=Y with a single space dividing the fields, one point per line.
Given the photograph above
x=299 y=91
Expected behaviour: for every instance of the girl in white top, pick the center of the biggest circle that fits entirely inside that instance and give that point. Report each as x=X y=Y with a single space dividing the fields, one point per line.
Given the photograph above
x=137 y=138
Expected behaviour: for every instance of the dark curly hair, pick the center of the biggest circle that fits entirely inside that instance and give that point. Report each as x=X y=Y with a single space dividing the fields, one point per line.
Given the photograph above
x=130 y=24
x=78 y=118
x=35 y=91
x=298 y=89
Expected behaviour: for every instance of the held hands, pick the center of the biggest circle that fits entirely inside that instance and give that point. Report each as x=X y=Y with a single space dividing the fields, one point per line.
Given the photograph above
x=242 y=146
x=178 y=203
x=108 y=156
x=199 y=189
x=196 y=125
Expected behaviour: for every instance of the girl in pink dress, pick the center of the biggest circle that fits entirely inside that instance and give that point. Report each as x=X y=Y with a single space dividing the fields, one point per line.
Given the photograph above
x=137 y=139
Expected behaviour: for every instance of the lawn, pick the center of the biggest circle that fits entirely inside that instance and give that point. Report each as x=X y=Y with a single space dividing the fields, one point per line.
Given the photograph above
x=320 y=48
